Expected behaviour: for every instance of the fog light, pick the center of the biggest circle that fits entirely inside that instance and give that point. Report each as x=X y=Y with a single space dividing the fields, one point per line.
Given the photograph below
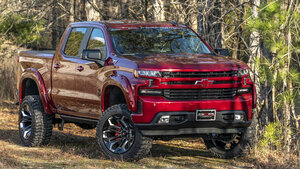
x=150 y=92
x=243 y=90
x=165 y=119
x=238 y=117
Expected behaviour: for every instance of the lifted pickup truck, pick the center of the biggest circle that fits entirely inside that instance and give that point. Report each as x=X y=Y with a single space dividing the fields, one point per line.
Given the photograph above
x=135 y=82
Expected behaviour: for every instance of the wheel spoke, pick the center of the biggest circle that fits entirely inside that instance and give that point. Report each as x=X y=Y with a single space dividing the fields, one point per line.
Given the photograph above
x=26 y=119
x=114 y=128
x=109 y=121
x=24 y=114
x=123 y=122
x=110 y=145
x=27 y=128
x=124 y=143
x=112 y=138
x=27 y=133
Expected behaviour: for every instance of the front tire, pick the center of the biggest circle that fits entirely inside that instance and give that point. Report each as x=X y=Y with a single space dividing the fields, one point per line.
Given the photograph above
x=35 y=126
x=228 y=146
x=117 y=136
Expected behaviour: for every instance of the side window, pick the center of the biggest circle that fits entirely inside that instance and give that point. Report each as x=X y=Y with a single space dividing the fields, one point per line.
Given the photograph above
x=97 y=42
x=74 y=41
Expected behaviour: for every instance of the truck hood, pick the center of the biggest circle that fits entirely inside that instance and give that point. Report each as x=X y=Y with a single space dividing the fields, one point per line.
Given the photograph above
x=187 y=62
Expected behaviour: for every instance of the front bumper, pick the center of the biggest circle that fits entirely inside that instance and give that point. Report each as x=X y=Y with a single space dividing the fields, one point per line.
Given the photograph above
x=151 y=108
x=184 y=123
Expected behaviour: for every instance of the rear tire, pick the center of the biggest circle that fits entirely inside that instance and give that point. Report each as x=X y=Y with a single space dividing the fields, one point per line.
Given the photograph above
x=228 y=146
x=35 y=126
x=117 y=136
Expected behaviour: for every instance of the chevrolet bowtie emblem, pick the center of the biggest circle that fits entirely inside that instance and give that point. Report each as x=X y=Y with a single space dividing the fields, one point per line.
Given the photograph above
x=204 y=82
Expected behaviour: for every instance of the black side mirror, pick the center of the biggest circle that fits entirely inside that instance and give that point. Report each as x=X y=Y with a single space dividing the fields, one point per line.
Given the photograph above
x=94 y=55
x=224 y=52
x=91 y=54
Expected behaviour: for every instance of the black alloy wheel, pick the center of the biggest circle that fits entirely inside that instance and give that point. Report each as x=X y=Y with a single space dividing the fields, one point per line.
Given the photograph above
x=118 y=134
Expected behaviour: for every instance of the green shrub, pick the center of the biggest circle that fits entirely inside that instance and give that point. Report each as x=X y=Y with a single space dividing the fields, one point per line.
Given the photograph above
x=271 y=137
x=23 y=30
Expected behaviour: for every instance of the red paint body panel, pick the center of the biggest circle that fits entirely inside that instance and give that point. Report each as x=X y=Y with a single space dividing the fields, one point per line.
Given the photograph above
x=84 y=93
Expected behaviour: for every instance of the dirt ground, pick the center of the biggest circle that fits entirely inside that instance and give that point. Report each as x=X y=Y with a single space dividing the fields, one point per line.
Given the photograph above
x=77 y=148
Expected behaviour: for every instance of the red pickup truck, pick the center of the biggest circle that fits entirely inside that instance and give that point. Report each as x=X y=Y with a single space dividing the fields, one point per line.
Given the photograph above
x=135 y=82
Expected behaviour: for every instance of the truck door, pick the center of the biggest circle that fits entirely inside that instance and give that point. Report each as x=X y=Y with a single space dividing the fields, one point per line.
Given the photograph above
x=89 y=83
x=64 y=72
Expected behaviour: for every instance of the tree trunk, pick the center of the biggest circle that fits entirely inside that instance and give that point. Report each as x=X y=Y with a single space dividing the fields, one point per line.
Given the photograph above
x=222 y=26
x=238 y=27
x=158 y=10
x=54 y=33
x=192 y=14
x=72 y=10
x=124 y=9
x=91 y=13
x=145 y=6
x=275 y=115
x=82 y=12
x=255 y=48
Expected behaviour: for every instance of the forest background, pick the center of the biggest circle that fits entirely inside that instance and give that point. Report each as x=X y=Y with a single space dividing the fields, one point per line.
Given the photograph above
x=263 y=33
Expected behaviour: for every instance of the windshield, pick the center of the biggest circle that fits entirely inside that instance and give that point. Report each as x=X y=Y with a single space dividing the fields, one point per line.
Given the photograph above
x=145 y=41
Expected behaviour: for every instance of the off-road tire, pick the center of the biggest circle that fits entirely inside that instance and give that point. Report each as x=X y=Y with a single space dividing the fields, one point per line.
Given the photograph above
x=241 y=149
x=41 y=123
x=141 y=145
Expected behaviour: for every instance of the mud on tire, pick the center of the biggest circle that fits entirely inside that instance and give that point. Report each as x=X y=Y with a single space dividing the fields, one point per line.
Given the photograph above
x=35 y=126
x=118 y=138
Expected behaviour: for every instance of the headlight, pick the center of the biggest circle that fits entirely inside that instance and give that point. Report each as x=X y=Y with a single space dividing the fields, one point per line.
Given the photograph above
x=148 y=73
x=243 y=72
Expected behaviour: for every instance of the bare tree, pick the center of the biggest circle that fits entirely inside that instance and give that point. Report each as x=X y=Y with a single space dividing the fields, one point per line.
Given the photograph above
x=158 y=10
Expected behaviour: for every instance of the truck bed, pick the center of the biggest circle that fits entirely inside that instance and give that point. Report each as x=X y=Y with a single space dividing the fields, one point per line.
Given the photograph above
x=37 y=62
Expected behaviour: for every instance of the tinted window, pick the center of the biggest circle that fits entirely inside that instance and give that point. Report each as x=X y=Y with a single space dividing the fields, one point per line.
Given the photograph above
x=97 y=41
x=74 y=41
x=157 y=40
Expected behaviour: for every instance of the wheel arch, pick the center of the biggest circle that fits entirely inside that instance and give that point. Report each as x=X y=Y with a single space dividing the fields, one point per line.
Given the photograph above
x=117 y=90
x=32 y=83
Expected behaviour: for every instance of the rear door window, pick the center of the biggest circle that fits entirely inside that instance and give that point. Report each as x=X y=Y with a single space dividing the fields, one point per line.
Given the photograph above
x=74 y=41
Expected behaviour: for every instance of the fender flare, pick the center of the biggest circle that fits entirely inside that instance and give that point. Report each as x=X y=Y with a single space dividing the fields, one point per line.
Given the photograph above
x=123 y=83
x=34 y=75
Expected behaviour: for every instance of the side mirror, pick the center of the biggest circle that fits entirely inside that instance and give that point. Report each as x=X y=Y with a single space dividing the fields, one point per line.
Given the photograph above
x=224 y=52
x=94 y=55
x=91 y=54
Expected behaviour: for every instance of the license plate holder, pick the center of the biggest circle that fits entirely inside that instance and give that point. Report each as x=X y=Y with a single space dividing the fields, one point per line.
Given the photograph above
x=206 y=115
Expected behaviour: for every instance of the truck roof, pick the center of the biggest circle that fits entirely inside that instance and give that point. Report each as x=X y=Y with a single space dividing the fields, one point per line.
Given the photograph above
x=119 y=24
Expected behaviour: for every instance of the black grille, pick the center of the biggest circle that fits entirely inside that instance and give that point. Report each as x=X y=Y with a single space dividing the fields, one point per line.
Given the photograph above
x=193 y=82
x=199 y=94
x=199 y=74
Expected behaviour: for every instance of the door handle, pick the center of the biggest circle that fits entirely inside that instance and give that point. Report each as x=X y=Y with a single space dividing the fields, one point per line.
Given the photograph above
x=56 y=65
x=80 y=68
